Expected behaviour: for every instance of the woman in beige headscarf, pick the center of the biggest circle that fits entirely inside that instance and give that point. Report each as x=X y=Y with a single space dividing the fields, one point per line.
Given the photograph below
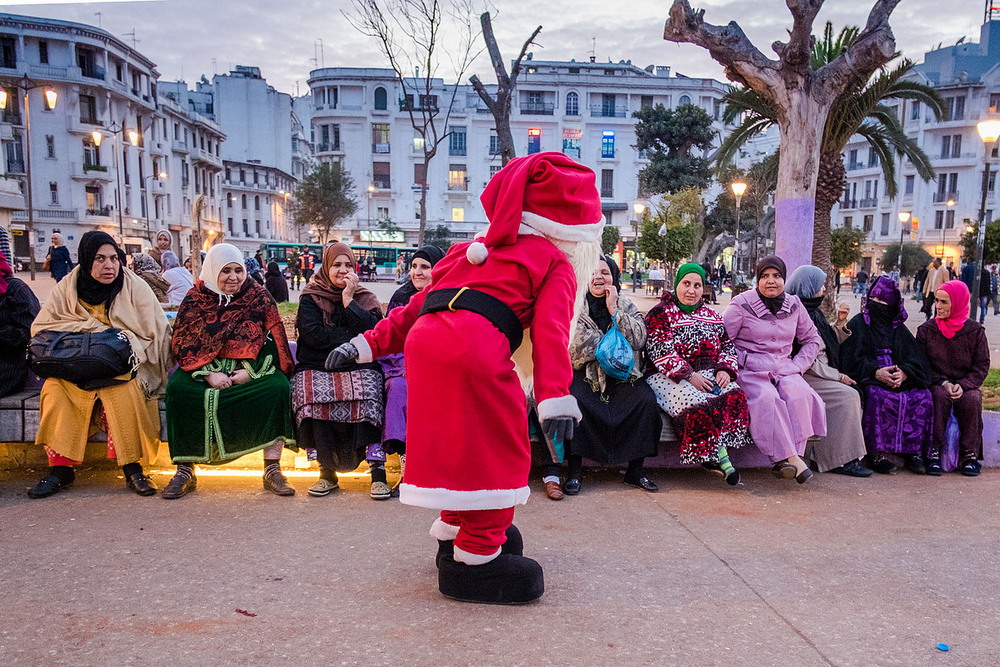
x=96 y=295
x=163 y=242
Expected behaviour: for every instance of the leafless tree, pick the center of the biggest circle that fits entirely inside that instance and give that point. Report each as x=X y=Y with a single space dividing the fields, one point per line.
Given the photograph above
x=415 y=36
x=499 y=105
x=801 y=95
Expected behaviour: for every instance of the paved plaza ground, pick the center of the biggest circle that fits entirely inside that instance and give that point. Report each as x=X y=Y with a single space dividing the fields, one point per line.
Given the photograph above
x=839 y=571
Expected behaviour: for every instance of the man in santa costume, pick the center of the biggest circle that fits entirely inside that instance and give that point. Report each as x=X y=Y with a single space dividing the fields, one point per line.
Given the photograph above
x=467 y=429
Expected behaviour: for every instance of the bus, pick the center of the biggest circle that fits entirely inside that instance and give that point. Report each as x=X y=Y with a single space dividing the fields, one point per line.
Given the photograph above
x=385 y=257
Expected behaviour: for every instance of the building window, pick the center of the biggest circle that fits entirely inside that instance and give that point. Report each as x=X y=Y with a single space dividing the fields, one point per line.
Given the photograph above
x=495 y=169
x=256 y=202
x=646 y=102
x=420 y=174
x=534 y=140
x=608 y=109
x=494 y=144
x=991 y=186
x=683 y=100
x=380 y=175
x=607 y=182
x=243 y=201
x=458 y=177
x=246 y=227
x=869 y=222
x=95 y=200
x=908 y=185
x=456 y=141
x=608 y=144
x=91 y=154
x=848 y=222
x=949 y=219
x=50 y=146
x=458 y=214
x=54 y=194
x=381 y=99
x=938 y=219
x=88 y=109
x=955 y=107
x=872 y=158
x=572 y=104
x=380 y=137
x=229 y=223
x=8 y=52
x=915 y=111
x=43 y=52
x=994 y=103
x=229 y=200
x=382 y=213
x=884 y=231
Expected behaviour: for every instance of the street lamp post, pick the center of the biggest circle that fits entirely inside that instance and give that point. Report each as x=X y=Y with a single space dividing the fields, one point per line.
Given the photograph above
x=904 y=217
x=989 y=131
x=739 y=189
x=116 y=129
x=944 y=223
x=26 y=84
x=639 y=210
x=145 y=196
x=371 y=193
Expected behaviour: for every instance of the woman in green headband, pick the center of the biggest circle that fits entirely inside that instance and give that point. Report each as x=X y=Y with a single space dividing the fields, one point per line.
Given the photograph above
x=695 y=385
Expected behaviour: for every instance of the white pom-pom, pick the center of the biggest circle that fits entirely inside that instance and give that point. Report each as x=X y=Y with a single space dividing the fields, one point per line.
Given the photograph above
x=477 y=253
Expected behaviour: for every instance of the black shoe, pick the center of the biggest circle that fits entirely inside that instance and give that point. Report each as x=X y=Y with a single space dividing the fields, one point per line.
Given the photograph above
x=970 y=468
x=572 y=486
x=853 y=469
x=141 y=484
x=179 y=485
x=644 y=483
x=507 y=579
x=882 y=465
x=277 y=484
x=47 y=486
x=915 y=464
x=514 y=545
x=934 y=468
x=804 y=476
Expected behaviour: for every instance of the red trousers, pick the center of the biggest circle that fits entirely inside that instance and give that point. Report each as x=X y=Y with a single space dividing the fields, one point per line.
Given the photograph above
x=480 y=532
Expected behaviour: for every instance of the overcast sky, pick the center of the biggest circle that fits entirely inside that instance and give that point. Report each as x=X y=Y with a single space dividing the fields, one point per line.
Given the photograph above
x=188 y=38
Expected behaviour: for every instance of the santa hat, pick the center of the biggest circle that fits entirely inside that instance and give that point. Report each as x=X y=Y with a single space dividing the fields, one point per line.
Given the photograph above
x=549 y=192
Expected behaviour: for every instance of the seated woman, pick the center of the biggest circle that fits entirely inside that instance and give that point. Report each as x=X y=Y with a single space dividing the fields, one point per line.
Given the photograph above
x=841 y=450
x=230 y=396
x=959 y=356
x=884 y=358
x=275 y=283
x=765 y=324
x=148 y=269
x=96 y=295
x=177 y=277
x=18 y=307
x=253 y=270
x=394 y=429
x=695 y=384
x=620 y=419
x=164 y=243
x=337 y=413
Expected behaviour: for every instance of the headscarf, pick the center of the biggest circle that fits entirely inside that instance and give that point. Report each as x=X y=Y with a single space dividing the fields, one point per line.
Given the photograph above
x=218 y=257
x=273 y=269
x=169 y=260
x=960 y=305
x=60 y=240
x=883 y=318
x=252 y=265
x=685 y=269
x=326 y=295
x=208 y=327
x=432 y=254
x=93 y=291
x=166 y=233
x=773 y=304
x=805 y=282
x=143 y=263
x=5 y=273
x=598 y=305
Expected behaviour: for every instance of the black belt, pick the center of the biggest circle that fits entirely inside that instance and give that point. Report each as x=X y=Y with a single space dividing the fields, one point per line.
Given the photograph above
x=493 y=309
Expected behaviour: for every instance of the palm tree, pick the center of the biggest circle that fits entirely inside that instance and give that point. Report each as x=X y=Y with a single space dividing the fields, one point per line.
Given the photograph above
x=860 y=110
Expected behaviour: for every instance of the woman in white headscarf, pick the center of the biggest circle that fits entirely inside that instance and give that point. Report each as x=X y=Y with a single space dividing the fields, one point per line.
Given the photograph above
x=164 y=242
x=230 y=395
x=177 y=277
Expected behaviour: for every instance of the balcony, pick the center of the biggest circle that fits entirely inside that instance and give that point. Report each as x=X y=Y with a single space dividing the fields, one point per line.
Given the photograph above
x=940 y=197
x=538 y=109
x=104 y=211
x=848 y=203
x=854 y=166
x=868 y=202
x=604 y=111
x=93 y=72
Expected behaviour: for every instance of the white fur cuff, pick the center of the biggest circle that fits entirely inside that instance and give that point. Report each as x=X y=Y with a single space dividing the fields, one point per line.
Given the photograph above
x=443 y=531
x=474 y=559
x=364 y=349
x=562 y=406
x=556 y=230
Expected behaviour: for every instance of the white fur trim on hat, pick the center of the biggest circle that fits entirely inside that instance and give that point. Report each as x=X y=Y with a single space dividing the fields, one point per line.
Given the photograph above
x=562 y=406
x=463 y=556
x=477 y=252
x=557 y=230
x=364 y=349
x=443 y=531
x=484 y=499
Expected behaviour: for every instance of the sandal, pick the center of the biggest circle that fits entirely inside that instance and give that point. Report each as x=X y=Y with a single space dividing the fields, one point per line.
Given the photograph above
x=380 y=491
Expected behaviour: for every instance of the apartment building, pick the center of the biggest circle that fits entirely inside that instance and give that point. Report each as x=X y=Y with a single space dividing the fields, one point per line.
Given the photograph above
x=360 y=117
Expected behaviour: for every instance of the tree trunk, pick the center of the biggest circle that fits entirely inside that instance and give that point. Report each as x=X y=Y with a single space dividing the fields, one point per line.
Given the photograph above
x=829 y=188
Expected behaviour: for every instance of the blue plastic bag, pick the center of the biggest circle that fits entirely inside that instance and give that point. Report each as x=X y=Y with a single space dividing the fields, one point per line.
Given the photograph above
x=614 y=353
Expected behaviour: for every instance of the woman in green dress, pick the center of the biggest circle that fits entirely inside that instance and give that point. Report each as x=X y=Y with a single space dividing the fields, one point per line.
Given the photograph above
x=230 y=395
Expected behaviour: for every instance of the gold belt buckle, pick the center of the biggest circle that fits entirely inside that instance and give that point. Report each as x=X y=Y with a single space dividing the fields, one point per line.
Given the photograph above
x=451 y=304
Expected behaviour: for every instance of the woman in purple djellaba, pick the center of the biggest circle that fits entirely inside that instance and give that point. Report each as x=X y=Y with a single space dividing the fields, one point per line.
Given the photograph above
x=884 y=358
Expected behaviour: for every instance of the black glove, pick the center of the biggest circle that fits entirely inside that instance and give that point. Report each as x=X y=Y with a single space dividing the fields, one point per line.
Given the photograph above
x=341 y=357
x=558 y=429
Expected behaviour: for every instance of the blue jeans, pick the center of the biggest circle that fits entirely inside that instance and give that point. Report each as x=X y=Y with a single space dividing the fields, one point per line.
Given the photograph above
x=983 y=302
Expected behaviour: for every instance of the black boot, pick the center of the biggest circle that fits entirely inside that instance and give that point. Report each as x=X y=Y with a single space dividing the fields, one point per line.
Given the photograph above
x=507 y=579
x=514 y=545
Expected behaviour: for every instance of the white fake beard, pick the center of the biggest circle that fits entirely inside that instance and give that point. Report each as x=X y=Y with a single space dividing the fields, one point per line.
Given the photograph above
x=583 y=256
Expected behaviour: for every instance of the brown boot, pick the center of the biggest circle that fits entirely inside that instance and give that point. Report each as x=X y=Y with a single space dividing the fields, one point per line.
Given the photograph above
x=553 y=491
x=276 y=483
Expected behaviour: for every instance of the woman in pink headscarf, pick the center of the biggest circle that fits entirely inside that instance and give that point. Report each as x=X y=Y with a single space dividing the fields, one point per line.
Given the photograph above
x=960 y=359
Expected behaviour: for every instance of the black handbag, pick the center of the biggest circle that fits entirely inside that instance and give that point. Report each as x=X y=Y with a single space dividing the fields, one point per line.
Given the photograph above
x=88 y=360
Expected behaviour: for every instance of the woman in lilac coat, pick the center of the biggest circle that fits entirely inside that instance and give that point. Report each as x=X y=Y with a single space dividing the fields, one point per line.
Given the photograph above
x=776 y=341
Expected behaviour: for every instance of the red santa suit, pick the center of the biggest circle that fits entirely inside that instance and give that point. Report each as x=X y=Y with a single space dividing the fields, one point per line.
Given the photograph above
x=467 y=429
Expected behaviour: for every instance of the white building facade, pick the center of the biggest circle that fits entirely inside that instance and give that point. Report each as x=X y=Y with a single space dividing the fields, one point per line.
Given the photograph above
x=359 y=118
